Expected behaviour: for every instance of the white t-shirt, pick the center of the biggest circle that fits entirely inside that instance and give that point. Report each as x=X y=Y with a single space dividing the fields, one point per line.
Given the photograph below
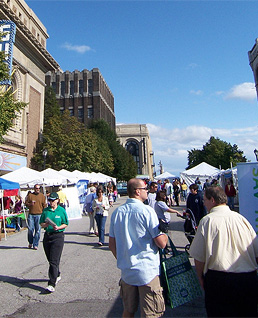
x=151 y=199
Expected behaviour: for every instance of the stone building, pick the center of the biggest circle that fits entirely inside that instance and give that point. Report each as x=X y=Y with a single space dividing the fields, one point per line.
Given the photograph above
x=253 y=61
x=31 y=61
x=85 y=94
x=136 y=139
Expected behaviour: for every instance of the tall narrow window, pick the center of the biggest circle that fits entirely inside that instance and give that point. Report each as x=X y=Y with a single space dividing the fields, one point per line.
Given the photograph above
x=80 y=113
x=81 y=87
x=90 y=86
x=71 y=111
x=72 y=88
x=54 y=86
x=133 y=148
x=62 y=88
x=90 y=111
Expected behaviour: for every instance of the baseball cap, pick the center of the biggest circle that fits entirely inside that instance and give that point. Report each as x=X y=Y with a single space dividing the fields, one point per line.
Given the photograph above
x=53 y=196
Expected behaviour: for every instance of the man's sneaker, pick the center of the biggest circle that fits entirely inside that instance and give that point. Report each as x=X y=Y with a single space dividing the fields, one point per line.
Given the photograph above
x=35 y=247
x=50 y=289
x=58 y=279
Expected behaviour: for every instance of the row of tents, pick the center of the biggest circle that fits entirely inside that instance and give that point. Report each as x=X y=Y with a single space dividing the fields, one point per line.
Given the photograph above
x=27 y=177
x=203 y=171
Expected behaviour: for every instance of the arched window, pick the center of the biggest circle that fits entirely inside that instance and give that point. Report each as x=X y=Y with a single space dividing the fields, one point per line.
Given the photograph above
x=132 y=147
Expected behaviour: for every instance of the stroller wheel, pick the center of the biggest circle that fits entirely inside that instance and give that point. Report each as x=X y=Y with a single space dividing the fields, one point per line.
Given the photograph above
x=187 y=247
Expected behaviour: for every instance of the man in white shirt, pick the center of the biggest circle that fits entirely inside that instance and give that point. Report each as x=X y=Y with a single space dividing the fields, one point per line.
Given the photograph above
x=225 y=251
x=152 y=194
x=134 y=239
x=169 y=192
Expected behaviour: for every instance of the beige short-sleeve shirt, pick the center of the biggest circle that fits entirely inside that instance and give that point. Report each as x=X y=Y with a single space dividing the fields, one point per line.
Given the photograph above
x=225 y=241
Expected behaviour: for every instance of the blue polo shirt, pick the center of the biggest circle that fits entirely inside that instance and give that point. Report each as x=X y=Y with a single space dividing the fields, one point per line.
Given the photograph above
x=134 y=225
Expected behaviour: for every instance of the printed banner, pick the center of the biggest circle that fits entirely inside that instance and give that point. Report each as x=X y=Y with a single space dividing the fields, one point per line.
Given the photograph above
x=248 y=191
x=11 y=162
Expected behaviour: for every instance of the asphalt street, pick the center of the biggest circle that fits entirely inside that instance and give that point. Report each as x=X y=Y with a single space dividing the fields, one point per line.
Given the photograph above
x=89 y=284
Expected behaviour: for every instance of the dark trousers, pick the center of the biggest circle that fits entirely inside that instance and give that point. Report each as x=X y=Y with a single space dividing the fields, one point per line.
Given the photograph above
x=53 y=244
x=177 y=198
x=230 y=294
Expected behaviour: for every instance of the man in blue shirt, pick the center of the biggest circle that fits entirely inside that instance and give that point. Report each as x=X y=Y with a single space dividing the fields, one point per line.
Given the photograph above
x=134 y=239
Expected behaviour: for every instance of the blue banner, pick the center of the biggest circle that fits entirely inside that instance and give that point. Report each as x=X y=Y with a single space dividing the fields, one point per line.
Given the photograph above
x=8 y=28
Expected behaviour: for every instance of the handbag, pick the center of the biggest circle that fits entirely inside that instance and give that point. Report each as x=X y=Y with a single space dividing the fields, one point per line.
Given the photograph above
x=178 y=279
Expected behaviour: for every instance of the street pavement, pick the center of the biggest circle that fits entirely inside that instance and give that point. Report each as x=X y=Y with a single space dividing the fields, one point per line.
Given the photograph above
x=89 y=284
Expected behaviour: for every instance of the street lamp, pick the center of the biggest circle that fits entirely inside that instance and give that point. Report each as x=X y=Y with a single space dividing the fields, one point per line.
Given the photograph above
x=44 y=152
x=256 y=154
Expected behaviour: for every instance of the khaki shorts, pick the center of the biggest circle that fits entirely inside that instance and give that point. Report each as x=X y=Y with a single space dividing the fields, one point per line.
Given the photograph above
x=150 y=297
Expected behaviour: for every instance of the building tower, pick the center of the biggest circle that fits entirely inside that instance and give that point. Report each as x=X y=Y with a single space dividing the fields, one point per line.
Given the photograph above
x=253 y=62
x=85 y=94
x=136 y=139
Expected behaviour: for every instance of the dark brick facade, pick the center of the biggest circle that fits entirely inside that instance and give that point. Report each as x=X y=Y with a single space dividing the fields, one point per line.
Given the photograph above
x=85 y=94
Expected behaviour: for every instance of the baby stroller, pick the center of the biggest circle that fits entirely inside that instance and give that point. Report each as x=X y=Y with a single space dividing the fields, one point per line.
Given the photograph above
x=190 y=227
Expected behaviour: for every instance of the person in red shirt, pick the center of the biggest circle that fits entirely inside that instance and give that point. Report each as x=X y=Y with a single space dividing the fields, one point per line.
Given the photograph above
x=231 y=193
x=7 y=204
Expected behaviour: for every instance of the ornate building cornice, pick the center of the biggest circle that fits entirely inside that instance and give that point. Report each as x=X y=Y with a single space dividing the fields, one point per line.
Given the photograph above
x=23 y=32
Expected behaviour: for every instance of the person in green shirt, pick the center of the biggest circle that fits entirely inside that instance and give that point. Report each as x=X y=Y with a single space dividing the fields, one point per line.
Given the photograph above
x=54 y=220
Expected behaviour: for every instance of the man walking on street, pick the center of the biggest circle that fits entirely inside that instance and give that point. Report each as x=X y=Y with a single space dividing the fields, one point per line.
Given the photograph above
x=36 y=202
x=63 y=202
x=134 y=239
x=225 y=251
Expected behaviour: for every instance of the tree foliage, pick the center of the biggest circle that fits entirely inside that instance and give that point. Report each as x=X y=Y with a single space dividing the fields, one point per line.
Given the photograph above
x=9 y=107
x=217 y=153
x=125 y=167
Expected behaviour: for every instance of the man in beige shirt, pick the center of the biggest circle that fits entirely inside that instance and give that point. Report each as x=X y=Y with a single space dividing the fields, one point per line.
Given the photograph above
x=225 y=251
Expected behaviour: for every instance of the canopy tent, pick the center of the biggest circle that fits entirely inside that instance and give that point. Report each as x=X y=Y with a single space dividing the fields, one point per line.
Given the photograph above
x=7 y=188
x=69 y=175
x=203 y=171
x=52 y=177
x=165 y=175
x=26 y=177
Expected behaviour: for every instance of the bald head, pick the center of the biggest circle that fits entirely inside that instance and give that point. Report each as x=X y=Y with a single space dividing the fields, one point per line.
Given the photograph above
x=136 y=188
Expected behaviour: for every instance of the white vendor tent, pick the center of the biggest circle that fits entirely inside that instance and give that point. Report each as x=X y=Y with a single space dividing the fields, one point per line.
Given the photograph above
x=52 y=177
x=203 y=171
x=26 y=177
x=165 y=175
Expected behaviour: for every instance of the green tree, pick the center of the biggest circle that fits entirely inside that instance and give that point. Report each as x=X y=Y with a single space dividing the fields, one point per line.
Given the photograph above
x=51 y=107
x=125 y=167
x=9 y=107
x=217 y=153
x=71 y=146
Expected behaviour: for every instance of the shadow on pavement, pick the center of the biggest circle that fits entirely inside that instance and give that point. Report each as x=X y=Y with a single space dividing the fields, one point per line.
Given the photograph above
x=14 y=247
x=23 y=283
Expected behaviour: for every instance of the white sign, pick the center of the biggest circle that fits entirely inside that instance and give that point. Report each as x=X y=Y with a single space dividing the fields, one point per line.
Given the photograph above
x=74 y=210
x=248 y=191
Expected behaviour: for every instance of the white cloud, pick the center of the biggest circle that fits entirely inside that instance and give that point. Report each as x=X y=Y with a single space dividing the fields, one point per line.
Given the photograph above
x=192 y=66
x=244 y=91
x=77 y=48
x=171 y=146
x=196 y=92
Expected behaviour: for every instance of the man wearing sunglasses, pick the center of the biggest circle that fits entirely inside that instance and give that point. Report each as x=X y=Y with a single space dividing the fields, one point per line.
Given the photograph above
x=36 y=202
x=134 y=239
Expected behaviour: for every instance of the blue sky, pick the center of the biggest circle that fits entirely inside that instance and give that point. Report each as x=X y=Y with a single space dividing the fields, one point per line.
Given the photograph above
x=181 y=67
